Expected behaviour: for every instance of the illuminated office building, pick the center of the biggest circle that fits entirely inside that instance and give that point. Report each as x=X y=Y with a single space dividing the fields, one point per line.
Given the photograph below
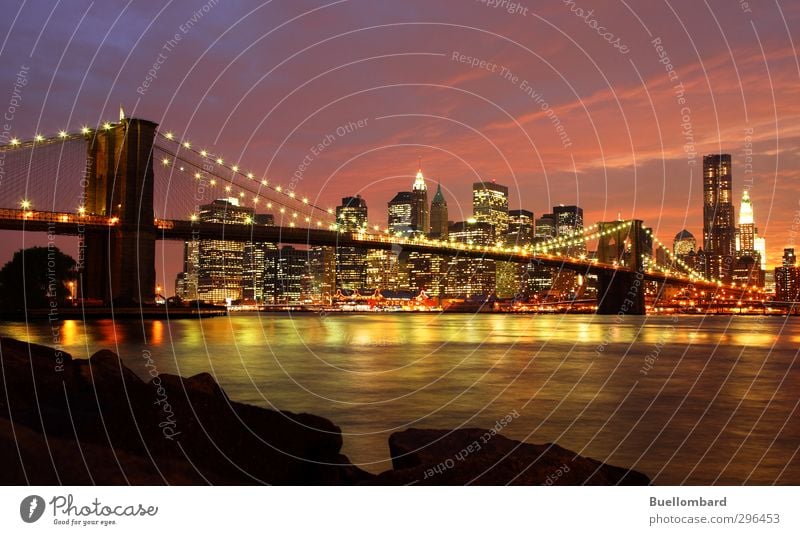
x=718 y=217
x=351 y=266
x=254 y=264
x=218 y=265
x=400 y=210
x=468 y=277
x=787 y=279
x=490 y=205
x=520 y=228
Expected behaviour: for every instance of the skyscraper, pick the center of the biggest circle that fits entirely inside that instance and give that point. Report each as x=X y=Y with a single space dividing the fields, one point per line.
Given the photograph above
x=718 y=217
x=684 y=248
x=420 y=215
x=471 y=276
x=322 y=269
x=490 y=205
x=520 y=228
x=569 y=220
x=748 y=242
x=286 y=275
x=545 y=228
x=254 y=263
x=746 y=235
x=218 y=265
x=400 y=213
x=747 y=268
x=787 y=278
x=439 y=223
x=351 y=215
x=351 y=267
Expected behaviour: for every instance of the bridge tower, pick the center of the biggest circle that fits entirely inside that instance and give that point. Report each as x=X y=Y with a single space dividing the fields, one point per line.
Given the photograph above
x=623 y=243
x=119 y=263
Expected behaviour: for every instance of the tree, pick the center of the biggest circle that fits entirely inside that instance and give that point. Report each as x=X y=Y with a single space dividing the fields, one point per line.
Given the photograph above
x=36 y=278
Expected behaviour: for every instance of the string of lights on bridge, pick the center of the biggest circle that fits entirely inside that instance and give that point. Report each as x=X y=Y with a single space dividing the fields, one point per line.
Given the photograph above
x=287 y=195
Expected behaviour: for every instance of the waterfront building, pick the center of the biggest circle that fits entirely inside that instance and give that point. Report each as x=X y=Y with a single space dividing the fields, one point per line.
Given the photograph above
x=287 y=277
x=382 y=269
x=568 y=222
x=322 y=271
x=218 y=265
x=427 y=272
x=747 y=271
x=351 y=266
x=254 y=264
x=469 y=277
x=787 y=278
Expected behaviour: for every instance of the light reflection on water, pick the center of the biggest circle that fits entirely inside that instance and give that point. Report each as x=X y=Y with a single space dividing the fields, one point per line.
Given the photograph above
x=718 y=405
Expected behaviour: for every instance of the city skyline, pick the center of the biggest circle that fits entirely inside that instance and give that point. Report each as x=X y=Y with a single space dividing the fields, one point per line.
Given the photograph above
x=258 y=273
x=627 y=137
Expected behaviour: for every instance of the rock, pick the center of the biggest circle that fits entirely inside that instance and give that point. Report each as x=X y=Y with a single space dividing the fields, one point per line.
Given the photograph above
x=163 y=428
x=481 y=457
x=66 y=421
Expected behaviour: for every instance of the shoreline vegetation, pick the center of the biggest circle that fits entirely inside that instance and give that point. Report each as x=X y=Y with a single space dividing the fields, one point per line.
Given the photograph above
x=66 y=421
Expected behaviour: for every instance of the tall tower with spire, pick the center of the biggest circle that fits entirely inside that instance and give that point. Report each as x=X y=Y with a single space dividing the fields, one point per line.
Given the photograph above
x=746 y=237
x=748 y=242
x=439 y=223
x=420 y=215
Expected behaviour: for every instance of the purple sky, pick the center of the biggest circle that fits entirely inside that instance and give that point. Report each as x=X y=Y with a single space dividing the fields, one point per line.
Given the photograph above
x=261 y=84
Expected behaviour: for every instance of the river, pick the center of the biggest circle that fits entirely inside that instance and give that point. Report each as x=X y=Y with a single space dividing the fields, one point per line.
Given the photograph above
x=684 y=399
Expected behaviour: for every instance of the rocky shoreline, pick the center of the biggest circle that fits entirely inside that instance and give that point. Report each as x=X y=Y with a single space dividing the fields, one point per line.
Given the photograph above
x=66 y=421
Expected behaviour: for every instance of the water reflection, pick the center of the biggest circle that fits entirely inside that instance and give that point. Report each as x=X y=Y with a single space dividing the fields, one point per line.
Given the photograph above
x=684 y=399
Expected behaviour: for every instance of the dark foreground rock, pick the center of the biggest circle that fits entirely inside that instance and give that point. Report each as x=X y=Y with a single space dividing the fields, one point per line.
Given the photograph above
x=65 y=421
x=481 y=457
x=76 y=422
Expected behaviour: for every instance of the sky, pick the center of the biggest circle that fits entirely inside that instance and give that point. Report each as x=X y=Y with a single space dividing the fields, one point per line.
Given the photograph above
x=606 y=104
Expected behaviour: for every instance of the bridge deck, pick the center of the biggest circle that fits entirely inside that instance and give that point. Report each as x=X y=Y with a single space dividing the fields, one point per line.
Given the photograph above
x=64 y=223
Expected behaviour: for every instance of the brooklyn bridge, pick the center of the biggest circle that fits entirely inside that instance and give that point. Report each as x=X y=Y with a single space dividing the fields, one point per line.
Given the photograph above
x=122 y=186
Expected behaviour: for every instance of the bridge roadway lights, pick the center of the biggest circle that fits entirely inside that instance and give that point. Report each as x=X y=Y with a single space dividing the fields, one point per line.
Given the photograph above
x=620 y=292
